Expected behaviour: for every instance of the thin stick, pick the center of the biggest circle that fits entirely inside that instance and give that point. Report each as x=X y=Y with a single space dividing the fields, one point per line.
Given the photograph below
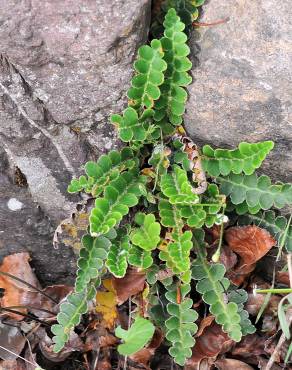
x=129 y=324
x=215 y=23
x=30 y=308
x=279 y=345
x=28 y=284
x=18 y=356
x=24 y=315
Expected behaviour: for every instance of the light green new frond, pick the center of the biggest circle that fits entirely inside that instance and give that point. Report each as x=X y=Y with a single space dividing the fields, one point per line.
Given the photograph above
x=91 y=259
x=147 y=236
x=130 y=126
x=149 y=76
x=119 y=196
x=139 y=257
x=257 y=192
x=180 y=326
x=177 y=188
x=171 y=105
x=247 y=158
x=70 y=316
x=169 y=215
x=212 y=285
x=107 y=168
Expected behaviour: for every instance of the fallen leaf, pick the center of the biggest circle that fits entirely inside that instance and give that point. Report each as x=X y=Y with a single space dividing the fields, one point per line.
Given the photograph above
x=99 y=338
x=207 y=321
x=250 y=348
x=283 y=278
x=46 y=344
x=251 y=243
x=255 y=302
x=106 y=304
x=70 y=230
x=131 y=284
x=230 y=364
x=12 y=365
x=211 y=342
x=228 y=258
x=16 y=293
x=12 y=339
x=143 y=356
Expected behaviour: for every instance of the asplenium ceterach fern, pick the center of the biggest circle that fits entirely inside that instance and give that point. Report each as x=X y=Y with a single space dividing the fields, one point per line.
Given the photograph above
x=152 y=184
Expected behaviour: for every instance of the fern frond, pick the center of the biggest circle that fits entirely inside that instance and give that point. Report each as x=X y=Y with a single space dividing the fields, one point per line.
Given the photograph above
x=140 y=257
x=107 y=168
x=118 y=255
x=258 y=192
x=119 y=195
x=147 y=236
x=180 y=326
x=212 y=285
x=187 y=10
x=176 y=254
x=70 y=316
x=149 y=75
x=171 y=105
x=247 y=158
x=240 y=296
x=276 y=225
x=92 y=255
x=130 y=126
x=169 y=214
x=177 y=188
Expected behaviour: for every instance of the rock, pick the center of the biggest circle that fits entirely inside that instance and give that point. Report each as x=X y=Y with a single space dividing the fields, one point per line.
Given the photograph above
x=65 y=67
x=242 y=85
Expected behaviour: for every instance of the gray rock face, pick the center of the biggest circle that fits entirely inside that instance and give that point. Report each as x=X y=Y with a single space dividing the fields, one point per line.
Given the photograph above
x=64 y=68
x=242 y=89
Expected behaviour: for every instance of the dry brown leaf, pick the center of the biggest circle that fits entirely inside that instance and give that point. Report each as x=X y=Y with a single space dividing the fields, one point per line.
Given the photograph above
x=251 y=243
x=228 y=258
x=16 y=293
x=12 y=365
x=250 y=348
x=231 y=364
x=283 y=278
x=99 y=338
x=12 y=339
x=132 y=284
x=212 y=342
x=207 y=321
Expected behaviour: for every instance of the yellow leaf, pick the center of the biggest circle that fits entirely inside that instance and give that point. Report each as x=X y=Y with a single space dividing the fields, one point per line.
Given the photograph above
x=106 y=304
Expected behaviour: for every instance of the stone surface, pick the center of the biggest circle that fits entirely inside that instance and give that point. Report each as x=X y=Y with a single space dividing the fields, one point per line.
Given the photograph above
x=242 y=89
x=64 y=68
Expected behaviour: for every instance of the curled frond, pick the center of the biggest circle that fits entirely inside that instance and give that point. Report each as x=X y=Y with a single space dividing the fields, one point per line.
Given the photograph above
x=117 y=258
x=176 y=186
x=92 y=255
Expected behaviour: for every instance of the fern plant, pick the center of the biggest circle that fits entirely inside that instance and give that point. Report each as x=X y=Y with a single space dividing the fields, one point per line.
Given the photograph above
x=153 y=202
